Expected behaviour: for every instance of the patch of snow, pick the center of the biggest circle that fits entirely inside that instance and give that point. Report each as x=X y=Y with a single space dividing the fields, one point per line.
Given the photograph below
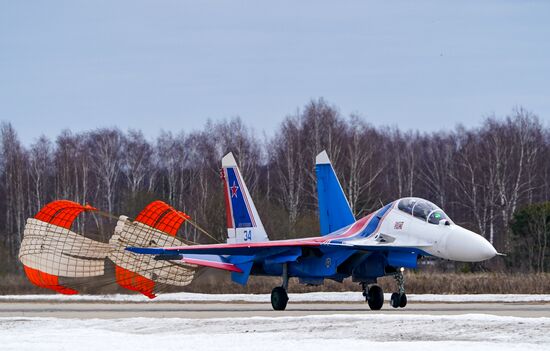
x=349 y=296
x=315 y=333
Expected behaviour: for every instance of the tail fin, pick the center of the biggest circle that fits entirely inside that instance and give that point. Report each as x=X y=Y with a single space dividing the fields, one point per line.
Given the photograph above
x=243 y=222
x=334 y=210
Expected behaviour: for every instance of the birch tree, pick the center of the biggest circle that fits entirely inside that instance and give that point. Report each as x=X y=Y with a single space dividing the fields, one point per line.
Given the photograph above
x=137 y=161
x=362 y=166
x=106 y=146
x=40 y=169
x=14 y=167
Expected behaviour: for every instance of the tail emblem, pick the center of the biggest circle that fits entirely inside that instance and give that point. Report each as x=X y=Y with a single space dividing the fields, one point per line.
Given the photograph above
x=234 y=189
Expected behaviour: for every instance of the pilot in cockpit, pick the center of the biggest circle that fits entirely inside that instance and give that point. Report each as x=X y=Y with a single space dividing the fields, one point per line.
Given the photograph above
x=423 y=209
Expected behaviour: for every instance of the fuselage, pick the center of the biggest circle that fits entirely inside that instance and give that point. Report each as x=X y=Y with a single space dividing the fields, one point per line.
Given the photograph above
x=421 y=229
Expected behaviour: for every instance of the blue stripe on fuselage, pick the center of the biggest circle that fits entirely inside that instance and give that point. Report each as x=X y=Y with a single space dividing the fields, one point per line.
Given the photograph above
x=369 y=229
x=375 y=221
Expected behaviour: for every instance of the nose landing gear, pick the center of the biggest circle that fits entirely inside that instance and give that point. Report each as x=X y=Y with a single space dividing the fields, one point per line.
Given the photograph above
x=399 y=299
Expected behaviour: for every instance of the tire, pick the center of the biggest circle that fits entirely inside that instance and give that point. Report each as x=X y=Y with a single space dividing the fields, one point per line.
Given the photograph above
x=375 y=297
x=279 y=298
x=395 y=300
x=403 y=301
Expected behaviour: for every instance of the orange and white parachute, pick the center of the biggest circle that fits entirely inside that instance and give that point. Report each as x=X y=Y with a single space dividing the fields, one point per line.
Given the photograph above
x=50 y=249
x=155 y=226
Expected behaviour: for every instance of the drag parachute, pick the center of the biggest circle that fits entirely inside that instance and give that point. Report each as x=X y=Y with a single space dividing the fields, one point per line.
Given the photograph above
x=155 y=226
x=50 y=249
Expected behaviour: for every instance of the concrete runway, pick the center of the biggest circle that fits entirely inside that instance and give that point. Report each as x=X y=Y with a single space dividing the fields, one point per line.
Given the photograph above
x=103 y=310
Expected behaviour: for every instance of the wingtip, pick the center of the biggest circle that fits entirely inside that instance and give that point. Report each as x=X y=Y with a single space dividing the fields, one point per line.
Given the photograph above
x=229 y=160
x=322 y=158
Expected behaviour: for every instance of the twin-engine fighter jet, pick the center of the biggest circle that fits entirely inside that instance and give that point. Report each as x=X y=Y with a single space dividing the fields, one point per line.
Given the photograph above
x=379 y=244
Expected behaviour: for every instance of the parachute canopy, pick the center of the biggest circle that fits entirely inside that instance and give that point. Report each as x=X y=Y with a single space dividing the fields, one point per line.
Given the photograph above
x=155 y=226
x=50 y=249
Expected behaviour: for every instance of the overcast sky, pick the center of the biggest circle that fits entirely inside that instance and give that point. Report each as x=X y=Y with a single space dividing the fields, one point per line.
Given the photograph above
x=171 y=65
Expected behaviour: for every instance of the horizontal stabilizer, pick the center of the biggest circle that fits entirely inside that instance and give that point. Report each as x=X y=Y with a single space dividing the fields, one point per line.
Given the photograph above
x=211 y=261
x=212 y=264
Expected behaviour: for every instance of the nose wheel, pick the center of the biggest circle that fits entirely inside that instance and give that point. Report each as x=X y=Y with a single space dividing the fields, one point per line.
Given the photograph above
x=399 y=298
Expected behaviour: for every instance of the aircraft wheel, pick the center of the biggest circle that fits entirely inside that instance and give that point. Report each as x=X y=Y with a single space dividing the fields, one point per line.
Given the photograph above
x=375 y=297
x=279 y=298
x=403 y=300
x=395 y=301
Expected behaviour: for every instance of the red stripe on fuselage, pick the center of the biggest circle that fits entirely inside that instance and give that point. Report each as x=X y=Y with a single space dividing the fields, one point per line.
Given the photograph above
x=228 y=206
x=354 y=229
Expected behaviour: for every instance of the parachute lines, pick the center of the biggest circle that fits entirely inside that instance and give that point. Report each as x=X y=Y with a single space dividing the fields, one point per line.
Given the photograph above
x=50 y=249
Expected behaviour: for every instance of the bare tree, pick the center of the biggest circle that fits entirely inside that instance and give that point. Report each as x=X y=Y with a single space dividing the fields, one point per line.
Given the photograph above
x=106 y=146
x=363 y=165
x=321 y=128
x=435 y=165
x=234 y=136
x=40 y=167
x=514 y=147
x=473 y=183
x=288 y=160
x=14 y=166
x=402 y=150
x=137 y=160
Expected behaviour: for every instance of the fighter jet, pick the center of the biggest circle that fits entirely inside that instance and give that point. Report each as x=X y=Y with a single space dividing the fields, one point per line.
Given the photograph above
x=382 y=243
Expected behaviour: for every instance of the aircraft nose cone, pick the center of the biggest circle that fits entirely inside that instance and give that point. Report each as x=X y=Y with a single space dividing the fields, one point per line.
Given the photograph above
x=467 y=246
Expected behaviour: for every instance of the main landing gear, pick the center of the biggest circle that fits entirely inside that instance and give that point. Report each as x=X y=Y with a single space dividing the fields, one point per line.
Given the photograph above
x=279 y=296
x=374 y=296
x=399 y=298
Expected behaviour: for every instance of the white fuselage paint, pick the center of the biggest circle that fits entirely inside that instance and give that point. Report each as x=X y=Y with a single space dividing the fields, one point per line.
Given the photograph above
x=448 y=241
x=451 y=241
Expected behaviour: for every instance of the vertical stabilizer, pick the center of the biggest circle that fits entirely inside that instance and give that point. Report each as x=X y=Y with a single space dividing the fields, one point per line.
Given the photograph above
x=243 y=222
x=334 y=210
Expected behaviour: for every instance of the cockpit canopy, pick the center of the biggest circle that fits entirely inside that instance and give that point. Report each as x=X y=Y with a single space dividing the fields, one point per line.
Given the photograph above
x=422 y=209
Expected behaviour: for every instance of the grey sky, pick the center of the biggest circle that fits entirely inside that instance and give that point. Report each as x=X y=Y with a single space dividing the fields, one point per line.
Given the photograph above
x=169 y=65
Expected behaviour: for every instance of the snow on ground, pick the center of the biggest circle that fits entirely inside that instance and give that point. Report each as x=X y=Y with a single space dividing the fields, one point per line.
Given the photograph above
x=344 y=332
x=349 y=296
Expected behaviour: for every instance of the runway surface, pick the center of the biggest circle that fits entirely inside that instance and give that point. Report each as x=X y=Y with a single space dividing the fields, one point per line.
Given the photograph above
x=33 y=324
x=151 y=309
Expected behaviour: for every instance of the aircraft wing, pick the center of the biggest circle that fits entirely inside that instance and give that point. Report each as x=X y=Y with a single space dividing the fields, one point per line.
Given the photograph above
x=235 y=258
x=226 y=249
x=376 y=242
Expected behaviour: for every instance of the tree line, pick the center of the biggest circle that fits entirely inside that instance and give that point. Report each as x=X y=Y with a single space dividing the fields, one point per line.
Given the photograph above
x=481 y=176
